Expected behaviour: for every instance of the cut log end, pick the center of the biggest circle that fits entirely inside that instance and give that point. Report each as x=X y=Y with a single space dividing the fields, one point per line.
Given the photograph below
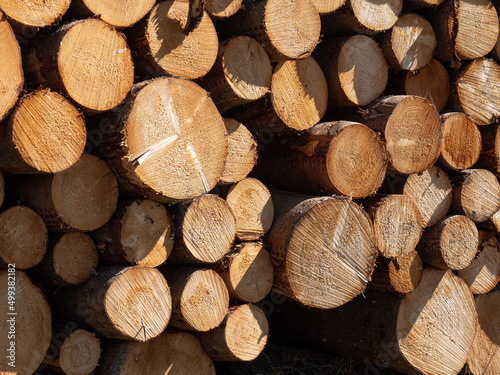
x=328 y=6
x=377 y=16
x=80 y=353
x=36 y=14
x=122 y=14
x=219 y=9
x=23 y=237
x=400 y=275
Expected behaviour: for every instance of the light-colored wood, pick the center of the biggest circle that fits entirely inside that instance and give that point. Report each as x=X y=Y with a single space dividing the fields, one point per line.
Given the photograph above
x=400 y=275
x=80 y=198
x=418 y=4
x=328 y=6
x=431 y=82
x=127 y=303
x=169 y=353
x=397 y=224
x=432 y=192
x=494 y=221
x=355 y=69
x=411 y=128
x=44 y=134
x=253 y=209
x=451 y=243
x=337 y=157
x=139 y=233
x=241 y=74
x=29 y=327
x=410 y=43
x=167 y=141
x=241 y=336
x=11 y=71
x=23 y=237
x=323 y=249
x=483 y=274
x=241 y=152
x=219 y=9
x=88 y=60
x=206 y=230
x=32 y=15
x=476 y=194
x=461 y=141
x=248 y=272
x=200 y=298
x=476 y=91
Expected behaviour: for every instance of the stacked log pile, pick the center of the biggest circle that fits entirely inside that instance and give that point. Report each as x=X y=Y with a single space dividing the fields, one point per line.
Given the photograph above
x=167 y=168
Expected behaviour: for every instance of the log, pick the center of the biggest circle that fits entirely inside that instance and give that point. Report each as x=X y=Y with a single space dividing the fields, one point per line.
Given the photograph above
x=431 y=82
x=475 y=91
x=400 y=275
x=77 y=352
x=11 y=74
x=362 y=16
x=71 y=260
x=162 y=46
x=483 y=274
x=490 y=155
x=432 y=192
x=339 y=157
x=483 y=357
x=461 y=142
x=412 y=131
x=220 y=9
x=241 y=152
x=476 y=194
x=419 y=4
x=323 y=249
x=139 y=233
x=451 y=243
x=44 y=134
x=179 y=352
x=241 y=336
x=410 y=43
x=200 y=298
x=126 y=303
x=428 y=331
x=206 y=230
x=167 y=141
x=241 y=74
x=494 y=222
x=26 y=330
x=61 y=59
x=353 y=78
x=328 y=6
x=291 y=37
x=252 y=207
x=248 y=272
x=23 y=237
x=80 y=198
x=397 y=224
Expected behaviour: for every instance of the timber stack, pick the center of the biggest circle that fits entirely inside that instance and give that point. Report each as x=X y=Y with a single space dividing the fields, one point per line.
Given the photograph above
x=168 y=167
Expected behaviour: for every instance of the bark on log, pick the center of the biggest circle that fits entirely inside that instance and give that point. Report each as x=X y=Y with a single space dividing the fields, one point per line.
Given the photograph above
x=328 y=6
x=23 y=237
x=200 y=298
x=80 y=198
x=338 y=157
x=241 y=336
x=26 y=330
x=355 y=69
x=410 y=43
x=428 y=331
x=248 y=272
x=11 y=72
x=167 y=142
x=161 y=44
x=412 y=130
x=323 y=249
x=127 y=303
x=139 y=233
x=96 y=76
x=241 y=74
x=44 y=134
x=451 y=243
x=476 y=194
x=461 y=142
x=241 y=152
x=220 y=9
x=179 y=352
x=206 y=230
x=432 y=192
x=292 y=37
